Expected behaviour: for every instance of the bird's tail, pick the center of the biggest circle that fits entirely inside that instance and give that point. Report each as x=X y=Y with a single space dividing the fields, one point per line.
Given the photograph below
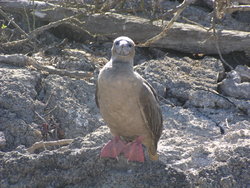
x=153 y=157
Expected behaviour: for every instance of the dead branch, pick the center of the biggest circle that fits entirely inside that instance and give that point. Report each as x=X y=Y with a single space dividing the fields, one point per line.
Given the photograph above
x=183 y=5
x=40 y=30
x=192 y=22
x=22 y=61
x=216 y=39
x=240 y=1
x=232 y=9
x=12 y=22
x=222 y=7
x=50 y=111
x=33 y=34
x=181 y=37
x=38 y=115
x=14 y=44
x=107 y=5
x=179 y=10
x=43 y=144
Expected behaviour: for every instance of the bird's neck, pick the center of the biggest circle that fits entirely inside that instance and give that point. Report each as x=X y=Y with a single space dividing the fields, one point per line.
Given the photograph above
x=122 y=63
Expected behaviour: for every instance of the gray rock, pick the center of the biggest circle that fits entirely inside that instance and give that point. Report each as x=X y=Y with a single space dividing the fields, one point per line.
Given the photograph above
x=244 y=73
x=73 y=104
x=191 y=142
x=19 y=91
x=187 y=159
x=237 y=83
x=79 y=165
x=192 y=151
x=75 y=60
x=17 y=131
x=207 y=99
x=180 y=77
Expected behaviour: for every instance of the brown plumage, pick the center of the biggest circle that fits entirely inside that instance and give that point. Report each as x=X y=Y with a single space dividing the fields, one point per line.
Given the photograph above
x=127 y=102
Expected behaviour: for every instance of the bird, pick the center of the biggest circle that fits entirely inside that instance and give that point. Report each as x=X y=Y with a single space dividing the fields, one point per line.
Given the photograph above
x=129 y=106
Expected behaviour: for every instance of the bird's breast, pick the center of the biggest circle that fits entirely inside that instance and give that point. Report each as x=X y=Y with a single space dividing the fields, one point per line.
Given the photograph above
x=118 y=101
x=117 y=91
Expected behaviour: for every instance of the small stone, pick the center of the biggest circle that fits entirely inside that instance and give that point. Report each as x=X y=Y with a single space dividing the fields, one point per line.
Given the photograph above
x=227 y=182
x=236 y=84
x=2 y=140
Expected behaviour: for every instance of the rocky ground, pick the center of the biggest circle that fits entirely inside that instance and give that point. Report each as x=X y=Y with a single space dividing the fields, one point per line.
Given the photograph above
x=193 y=152
x=206 y=109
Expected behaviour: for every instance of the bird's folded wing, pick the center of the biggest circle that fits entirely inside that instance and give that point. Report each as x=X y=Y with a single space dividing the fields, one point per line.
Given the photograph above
x=151 y=111
x=96 y=95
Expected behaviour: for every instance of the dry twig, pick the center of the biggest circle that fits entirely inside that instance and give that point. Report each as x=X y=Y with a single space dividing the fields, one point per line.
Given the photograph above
x=223 y=7
x=38 y=115
x=41 y=29
x=12 y=22
x=179 y=10
x=216 y=39
x=22 y=61
x=108 y=4
x=232 y=9
x=43 y=144
x=33 y=34
x=18 y=43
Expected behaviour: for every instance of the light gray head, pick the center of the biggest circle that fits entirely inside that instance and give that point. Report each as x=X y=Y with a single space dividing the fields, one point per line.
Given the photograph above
x=123 y=49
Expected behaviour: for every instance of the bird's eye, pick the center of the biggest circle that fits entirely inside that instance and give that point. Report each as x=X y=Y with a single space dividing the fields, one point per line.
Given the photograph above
x=130 y=45
x=117 y=43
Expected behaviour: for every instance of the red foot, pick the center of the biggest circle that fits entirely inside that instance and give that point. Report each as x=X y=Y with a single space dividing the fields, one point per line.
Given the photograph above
x=134 y=151
x=113 y=148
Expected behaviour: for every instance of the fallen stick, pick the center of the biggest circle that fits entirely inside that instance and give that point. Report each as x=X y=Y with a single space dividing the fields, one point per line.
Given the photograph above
x=33 y=34
x=164 y=32
x=40 y=30
x=13 y=44
x=232 y=9
x=22 y=61
x=181 y=37
x=13 y=23
x=43 y=144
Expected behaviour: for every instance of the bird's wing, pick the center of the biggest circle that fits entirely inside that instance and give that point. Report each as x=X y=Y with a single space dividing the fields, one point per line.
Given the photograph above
x=151 y=111
x=96 y=94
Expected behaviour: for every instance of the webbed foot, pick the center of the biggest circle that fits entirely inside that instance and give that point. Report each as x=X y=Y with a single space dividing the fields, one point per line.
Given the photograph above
x=113 y=148
x=133 y=151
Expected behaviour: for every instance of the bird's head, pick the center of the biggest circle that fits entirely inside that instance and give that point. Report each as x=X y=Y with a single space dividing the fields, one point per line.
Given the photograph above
x=123 y=49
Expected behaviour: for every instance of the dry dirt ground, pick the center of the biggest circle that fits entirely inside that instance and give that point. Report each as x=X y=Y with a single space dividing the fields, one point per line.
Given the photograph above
x=205 y=141
x=193 y=152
